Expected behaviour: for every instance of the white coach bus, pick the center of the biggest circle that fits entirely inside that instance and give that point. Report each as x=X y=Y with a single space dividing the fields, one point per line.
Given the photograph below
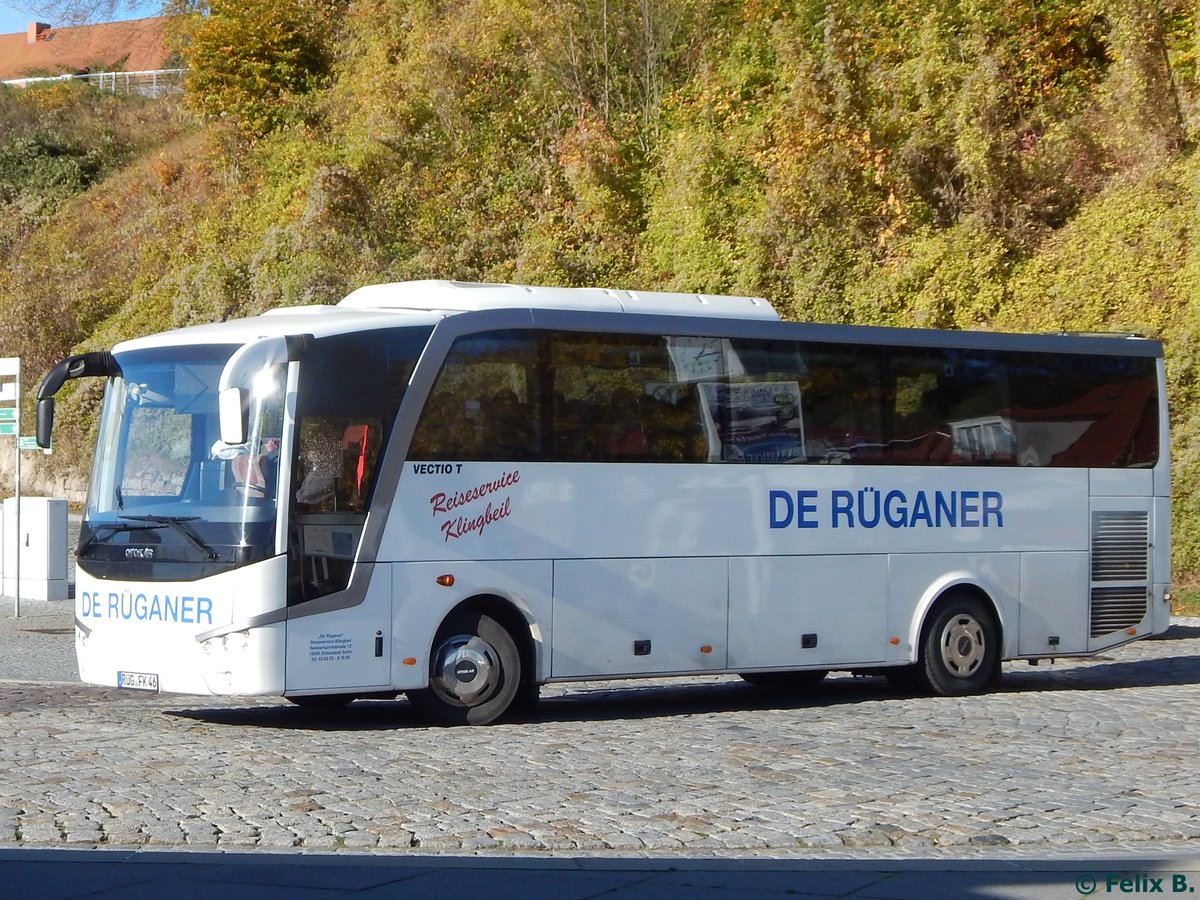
x=461 y=492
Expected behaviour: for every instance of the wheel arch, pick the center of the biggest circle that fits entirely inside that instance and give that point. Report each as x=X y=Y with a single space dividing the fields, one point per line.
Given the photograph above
x=517 y=621
x=941 y=593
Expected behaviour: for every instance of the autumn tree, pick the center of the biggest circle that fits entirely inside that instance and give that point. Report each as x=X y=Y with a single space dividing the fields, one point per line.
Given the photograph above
x=255 y=61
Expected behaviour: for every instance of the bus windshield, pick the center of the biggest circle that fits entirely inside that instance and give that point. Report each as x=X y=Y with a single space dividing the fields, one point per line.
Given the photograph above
x=168 y=499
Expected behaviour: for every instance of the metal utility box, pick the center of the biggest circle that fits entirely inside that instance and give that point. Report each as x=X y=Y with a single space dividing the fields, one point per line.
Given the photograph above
x=43 y=546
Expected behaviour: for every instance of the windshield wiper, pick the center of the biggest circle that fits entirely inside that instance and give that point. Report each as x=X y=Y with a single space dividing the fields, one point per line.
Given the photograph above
x=109 y=529
x=180 y=524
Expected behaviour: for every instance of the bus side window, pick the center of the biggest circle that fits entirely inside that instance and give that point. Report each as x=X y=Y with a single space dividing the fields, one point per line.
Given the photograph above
x=482 y=406
x=319 y=464
x=920 y=420
x=673 y=429
x=509 y=428
x=949 y=407
x=572 y=419
x=335 y=463
x=354 y=456
x=1087 y=411
x=843 y=403
x=759 y=409
x=619 y=398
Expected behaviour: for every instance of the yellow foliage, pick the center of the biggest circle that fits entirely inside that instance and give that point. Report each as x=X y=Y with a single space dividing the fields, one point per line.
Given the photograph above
x=1016 y=164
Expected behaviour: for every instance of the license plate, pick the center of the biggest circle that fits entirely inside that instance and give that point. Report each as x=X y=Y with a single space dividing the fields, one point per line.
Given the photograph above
x=137 y=681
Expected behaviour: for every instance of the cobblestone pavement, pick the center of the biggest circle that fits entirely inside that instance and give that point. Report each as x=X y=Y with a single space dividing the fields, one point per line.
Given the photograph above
x=1095 y=755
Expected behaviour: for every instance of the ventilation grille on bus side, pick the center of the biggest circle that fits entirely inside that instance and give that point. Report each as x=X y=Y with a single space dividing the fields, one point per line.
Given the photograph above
x=1114 y=608
x=1120 y=553
x=1120 y=546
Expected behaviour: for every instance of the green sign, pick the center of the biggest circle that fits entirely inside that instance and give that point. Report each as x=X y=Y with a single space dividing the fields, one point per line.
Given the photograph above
x=8 y=429
x=27 y=443
x=8 y=414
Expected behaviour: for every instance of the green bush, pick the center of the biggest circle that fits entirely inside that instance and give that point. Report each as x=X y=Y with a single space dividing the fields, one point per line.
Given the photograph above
x=256 y=61
x=44 y=163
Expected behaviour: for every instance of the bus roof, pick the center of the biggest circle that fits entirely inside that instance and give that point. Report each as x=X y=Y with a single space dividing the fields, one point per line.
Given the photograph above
x=425 y=303
x=461 y=296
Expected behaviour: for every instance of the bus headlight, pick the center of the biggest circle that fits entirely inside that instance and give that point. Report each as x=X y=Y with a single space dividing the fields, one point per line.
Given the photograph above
x=235 y=642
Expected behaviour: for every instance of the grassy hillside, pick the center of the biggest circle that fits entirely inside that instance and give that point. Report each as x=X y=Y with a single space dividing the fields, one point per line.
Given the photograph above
x=1015 y=164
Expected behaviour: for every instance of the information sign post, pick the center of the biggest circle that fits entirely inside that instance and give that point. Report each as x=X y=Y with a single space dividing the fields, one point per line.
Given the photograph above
x=10 y=426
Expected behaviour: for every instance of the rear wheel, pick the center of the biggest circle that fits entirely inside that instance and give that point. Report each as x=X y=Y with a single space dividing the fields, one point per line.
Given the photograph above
x=474 y=674
x=960 y=650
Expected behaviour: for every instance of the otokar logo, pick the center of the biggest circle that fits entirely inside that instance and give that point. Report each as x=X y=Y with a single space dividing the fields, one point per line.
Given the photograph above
x=139 y=553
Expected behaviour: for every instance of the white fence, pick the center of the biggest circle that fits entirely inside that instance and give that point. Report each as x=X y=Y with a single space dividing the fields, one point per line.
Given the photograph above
x=155 y=83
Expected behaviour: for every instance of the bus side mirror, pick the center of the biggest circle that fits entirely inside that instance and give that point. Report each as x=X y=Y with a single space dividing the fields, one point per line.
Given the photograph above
x=238 y=377
x=45 y=421
x=99 y=363
x=232 y=412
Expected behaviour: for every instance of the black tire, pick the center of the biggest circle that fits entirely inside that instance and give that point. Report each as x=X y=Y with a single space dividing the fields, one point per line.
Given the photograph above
x=323 y=701
x=960 y=648
x=792 y=681
x=474 y=672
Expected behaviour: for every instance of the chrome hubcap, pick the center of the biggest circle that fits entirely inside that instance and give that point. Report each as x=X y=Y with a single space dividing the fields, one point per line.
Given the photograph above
x=465 y=668
x=963 y=646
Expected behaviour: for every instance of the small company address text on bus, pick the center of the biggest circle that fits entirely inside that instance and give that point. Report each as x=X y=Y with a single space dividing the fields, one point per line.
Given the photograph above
x=873 y=507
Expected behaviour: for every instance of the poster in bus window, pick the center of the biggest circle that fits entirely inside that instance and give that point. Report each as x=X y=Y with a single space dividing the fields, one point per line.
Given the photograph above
x=699 y=358
x=753 y=423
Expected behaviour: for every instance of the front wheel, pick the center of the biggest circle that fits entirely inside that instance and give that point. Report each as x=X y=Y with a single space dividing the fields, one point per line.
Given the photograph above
x=960 y=650
x=474 y=674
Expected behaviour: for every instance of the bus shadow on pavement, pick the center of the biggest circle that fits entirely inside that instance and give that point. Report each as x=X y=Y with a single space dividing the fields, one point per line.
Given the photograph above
x=1100 y=675
x=684 y=699
x=589 y=702
x=689 y=699
x=1178 y=633
x=630 y=700
x=362 y=715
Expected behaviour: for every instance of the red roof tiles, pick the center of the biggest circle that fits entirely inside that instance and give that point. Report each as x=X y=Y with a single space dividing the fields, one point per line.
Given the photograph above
x=133 y=46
